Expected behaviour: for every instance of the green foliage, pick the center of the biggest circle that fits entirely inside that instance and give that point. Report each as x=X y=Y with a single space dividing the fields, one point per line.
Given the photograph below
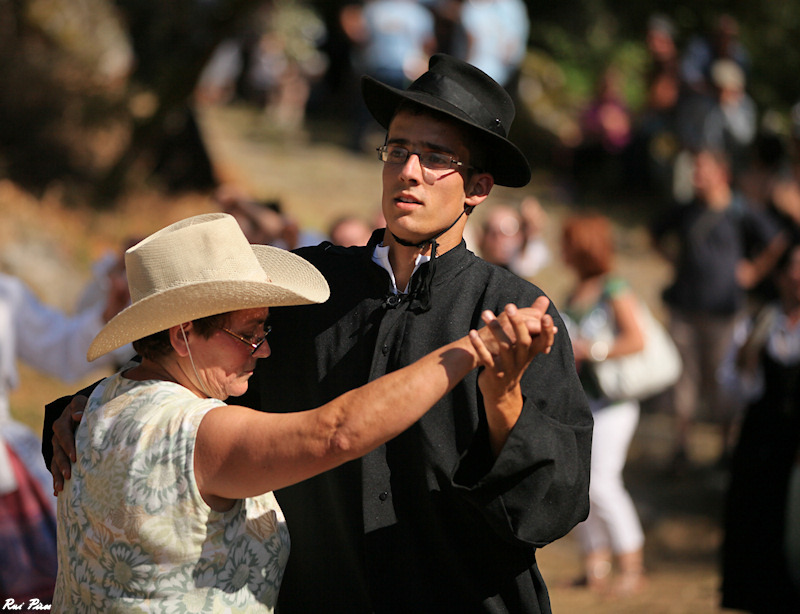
x=585 y=35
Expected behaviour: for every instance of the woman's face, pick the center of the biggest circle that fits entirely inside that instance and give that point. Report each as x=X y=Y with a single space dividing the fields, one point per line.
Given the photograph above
x=226 y=360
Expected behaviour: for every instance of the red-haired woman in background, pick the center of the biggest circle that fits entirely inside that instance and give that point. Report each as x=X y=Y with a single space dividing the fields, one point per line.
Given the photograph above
x=601 y=302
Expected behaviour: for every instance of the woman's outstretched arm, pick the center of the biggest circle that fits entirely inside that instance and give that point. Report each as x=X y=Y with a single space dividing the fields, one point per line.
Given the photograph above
x=240 y=452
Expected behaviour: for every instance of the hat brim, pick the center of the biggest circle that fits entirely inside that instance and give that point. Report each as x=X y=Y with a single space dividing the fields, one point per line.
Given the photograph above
x=505 y=161
x=292 y=280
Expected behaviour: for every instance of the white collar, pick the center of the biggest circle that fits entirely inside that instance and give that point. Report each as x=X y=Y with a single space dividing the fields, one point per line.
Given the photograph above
x=381 y=257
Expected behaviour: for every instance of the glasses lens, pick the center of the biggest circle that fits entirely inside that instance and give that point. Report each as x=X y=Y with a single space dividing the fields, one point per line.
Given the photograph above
x=253 y=342
x=393 y=154
x=435 y=161
x=257 y=342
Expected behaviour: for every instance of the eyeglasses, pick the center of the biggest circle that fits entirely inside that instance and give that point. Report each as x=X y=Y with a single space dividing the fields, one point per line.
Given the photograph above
x=433 y=160
x=253 y=344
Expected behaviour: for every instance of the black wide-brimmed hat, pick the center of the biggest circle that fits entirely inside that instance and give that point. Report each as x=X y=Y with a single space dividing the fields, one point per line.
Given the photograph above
x=466 y=94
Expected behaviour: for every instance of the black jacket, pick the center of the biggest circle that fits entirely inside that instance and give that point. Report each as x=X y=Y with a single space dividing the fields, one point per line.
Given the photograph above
x=428 y=522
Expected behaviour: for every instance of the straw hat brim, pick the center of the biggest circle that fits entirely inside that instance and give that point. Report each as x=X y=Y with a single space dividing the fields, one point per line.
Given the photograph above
x=292 y=280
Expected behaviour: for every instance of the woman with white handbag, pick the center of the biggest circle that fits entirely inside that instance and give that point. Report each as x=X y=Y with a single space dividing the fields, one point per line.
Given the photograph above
x=604 y=322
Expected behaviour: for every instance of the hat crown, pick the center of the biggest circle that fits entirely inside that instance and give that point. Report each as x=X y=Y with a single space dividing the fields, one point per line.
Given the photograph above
x=469 y=91
x=210 y=247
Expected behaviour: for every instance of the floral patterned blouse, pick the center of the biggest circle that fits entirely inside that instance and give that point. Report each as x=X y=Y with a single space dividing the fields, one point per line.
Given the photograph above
x=134 y=534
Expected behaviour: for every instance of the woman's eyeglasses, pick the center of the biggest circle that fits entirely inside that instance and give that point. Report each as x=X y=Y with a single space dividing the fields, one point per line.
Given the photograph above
x=255 y=344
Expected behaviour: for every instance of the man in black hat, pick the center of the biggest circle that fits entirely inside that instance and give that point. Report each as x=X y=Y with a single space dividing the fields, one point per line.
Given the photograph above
x=446 y=517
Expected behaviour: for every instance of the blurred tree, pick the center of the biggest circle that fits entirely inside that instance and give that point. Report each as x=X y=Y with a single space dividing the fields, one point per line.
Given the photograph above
x=97 y=94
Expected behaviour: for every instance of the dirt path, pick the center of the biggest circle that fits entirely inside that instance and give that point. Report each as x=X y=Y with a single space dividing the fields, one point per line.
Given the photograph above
x=682 y=531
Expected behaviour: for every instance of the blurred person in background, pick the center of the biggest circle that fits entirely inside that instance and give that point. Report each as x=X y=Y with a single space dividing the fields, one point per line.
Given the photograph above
x=513 y=238
x=702 y=50
x=768 y=167
x=784 y=197
x=773 y=183
x=272 y=61
x=264 y=222
x=349 y=230
x=763 y=370
x=654 y=143
x=108 y=275
x=611 y=537
x=494 y=37
x=54 y=343
x=392 y=41
x=699 y=94
x=720 y=248
x=286 y=61
x=732 y=121
x=606 y=132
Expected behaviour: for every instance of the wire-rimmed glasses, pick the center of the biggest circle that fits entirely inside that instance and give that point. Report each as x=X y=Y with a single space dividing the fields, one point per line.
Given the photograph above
x=433 y=160
x=253 y=344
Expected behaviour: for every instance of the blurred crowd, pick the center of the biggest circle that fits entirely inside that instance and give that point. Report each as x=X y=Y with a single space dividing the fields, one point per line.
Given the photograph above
x=722 y=188
x=287 y=54
x=696 y=95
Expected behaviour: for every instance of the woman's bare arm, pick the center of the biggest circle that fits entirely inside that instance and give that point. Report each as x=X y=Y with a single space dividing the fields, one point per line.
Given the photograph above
x=630 y=327
x=240 y=452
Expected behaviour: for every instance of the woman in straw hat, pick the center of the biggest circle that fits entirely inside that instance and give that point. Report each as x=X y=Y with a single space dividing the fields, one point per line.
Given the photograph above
x=170 y=505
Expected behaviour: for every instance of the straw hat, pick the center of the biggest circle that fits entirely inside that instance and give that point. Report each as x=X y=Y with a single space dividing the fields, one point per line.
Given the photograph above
x=203 y=266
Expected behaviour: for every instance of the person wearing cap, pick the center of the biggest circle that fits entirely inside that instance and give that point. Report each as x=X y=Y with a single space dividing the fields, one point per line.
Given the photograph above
x=447 y=516
x=732 y=121
x=164 y=510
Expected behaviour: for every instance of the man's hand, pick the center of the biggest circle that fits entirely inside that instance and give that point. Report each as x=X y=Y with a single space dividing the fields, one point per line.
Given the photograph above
x=64 y=442
x=505 y=360
x=506 y=328
x=518 y=336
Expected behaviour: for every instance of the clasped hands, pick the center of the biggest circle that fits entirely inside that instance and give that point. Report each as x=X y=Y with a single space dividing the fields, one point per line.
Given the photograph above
x=511 y=340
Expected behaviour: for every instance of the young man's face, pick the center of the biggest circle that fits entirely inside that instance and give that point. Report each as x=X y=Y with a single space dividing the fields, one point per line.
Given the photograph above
x=419 y=202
